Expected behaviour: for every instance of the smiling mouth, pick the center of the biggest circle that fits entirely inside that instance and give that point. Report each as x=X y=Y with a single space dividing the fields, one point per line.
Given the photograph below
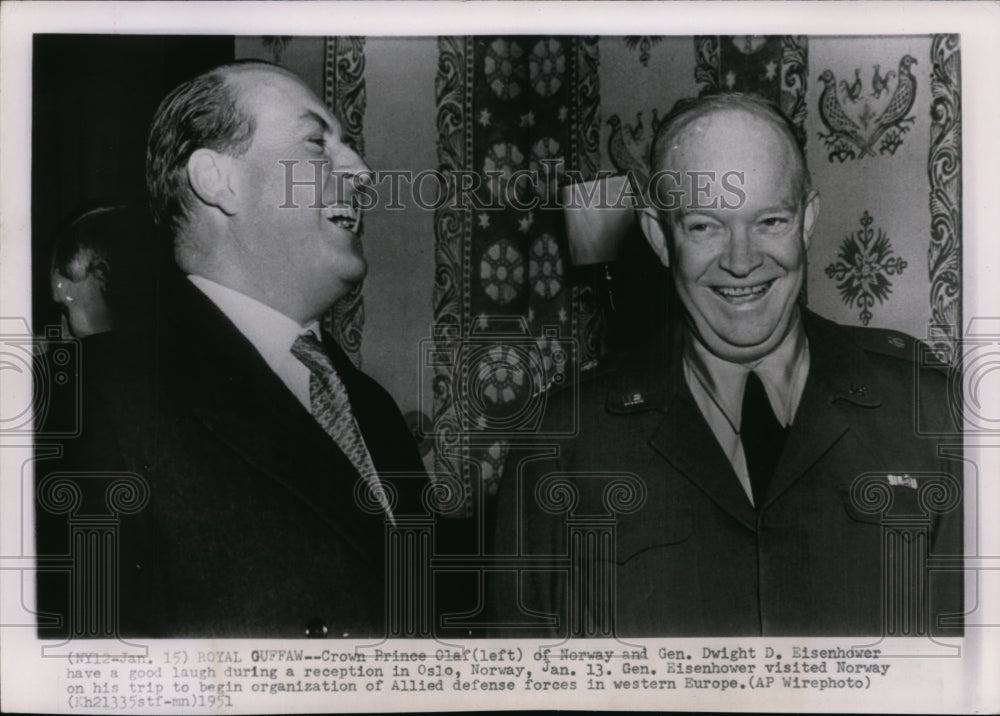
x=743 y=294
x=344 y=217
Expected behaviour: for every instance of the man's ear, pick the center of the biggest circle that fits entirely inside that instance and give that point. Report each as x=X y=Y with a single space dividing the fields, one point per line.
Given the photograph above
x=651 y=227
x=209 y=174
x=809 y=216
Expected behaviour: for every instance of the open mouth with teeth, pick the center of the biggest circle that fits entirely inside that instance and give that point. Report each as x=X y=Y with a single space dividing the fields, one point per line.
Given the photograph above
x=344 y=217
x=743 y=294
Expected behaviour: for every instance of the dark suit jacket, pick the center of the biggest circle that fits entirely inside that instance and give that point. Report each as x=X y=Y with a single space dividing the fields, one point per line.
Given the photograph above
x=252 y=526
x=696 y=558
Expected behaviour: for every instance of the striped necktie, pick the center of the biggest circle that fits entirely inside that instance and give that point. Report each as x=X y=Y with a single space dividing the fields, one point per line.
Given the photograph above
x=332 y=410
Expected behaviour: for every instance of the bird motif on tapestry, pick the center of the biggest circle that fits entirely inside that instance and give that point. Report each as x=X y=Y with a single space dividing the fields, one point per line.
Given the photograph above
x=629 y=145
x=880 y=84
x=853 y=91
x=860 y=124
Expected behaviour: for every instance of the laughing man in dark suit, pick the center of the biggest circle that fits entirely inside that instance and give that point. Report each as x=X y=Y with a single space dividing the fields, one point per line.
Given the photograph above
x=265 y=451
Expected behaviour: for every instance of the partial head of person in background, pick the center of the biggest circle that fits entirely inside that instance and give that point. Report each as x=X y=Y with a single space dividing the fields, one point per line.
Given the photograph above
x=102 y=269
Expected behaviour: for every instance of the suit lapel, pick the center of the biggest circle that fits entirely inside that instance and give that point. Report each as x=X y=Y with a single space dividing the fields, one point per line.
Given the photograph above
x=839 y=373
x=236 y=395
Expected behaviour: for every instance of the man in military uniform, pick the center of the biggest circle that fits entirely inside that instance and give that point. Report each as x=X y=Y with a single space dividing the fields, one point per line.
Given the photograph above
x=780 y=484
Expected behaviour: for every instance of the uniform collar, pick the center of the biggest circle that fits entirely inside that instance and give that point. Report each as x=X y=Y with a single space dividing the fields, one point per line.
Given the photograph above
x=840 y=365
x=643 y=379
x=783 y=372
x=650 y=378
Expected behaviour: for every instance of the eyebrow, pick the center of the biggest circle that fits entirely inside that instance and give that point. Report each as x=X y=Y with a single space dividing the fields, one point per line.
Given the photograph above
x=790 y=206
x=681 y=213
x=310 y=116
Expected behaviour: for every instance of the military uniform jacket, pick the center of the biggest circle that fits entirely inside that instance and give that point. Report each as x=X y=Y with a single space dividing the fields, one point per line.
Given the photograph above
x=690 y=556
x=253 y=525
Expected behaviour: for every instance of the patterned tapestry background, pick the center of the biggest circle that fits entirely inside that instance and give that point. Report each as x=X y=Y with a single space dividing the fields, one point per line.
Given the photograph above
x=879 y=119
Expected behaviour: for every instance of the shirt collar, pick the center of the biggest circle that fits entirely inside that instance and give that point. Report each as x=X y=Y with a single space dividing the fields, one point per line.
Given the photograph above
x=783 y=372
x=271 y=332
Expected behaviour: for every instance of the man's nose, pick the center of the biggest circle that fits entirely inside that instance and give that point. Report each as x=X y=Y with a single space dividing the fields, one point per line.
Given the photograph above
x=361 y=174
x=741 y=256
x=350 y=171
x=351 y=162
x=362 y=168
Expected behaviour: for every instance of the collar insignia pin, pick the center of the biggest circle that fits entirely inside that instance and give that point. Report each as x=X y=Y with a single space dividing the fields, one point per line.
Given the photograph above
x=633 y=399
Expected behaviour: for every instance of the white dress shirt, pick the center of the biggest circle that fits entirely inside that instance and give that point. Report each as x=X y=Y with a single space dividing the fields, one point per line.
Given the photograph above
x=717 y=386
x=272 y=333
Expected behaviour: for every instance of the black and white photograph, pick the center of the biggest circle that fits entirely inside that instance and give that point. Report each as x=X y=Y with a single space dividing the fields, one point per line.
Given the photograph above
x=431 y=349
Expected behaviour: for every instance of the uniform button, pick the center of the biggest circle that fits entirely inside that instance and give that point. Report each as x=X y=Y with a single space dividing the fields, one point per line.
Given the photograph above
x=316 y=629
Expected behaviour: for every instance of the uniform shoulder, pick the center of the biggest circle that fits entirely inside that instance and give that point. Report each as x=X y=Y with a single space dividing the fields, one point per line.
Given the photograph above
x=589 y=373
x=897 y=345
x=600 y=368
x=886 y=342
x=627 y=381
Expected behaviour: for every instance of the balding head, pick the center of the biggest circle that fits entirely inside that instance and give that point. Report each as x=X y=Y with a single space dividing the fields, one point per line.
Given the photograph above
x=691 y=116
x=224 y=152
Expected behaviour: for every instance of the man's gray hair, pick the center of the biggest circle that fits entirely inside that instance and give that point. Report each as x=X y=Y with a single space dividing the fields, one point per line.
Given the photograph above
x=201 y=112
